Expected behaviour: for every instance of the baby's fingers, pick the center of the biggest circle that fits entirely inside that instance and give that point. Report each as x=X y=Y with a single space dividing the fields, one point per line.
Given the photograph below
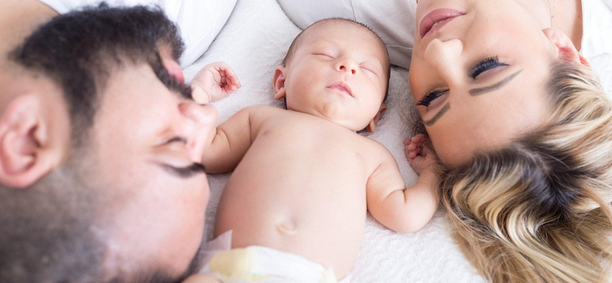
x=229 y=79
x=232 y=80
x=420 y=138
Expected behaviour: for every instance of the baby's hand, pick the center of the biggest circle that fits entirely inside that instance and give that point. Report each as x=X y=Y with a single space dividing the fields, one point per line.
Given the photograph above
x=418 y=154
x=213 y=82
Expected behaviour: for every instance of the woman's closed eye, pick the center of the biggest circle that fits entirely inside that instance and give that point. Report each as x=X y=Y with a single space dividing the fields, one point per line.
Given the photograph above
x=430 y=97
x=486 y=65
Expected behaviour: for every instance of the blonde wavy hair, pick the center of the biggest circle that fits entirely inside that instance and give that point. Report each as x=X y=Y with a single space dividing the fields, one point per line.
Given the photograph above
x=539 y=209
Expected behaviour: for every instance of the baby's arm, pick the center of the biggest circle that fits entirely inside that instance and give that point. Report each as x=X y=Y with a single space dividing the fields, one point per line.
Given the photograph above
x=213 y=82
x=227 y=144
x=399 y=208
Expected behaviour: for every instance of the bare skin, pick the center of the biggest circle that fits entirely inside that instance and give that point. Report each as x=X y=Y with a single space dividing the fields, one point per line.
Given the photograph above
x=303 y=179
x=18 y=18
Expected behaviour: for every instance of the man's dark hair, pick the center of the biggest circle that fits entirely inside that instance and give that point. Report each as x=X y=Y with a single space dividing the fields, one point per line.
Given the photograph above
x=78 y=51
x=47 y=230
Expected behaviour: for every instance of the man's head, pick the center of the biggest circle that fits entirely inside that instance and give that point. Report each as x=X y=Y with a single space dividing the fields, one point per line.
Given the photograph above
x=99 y=152
x=336 y=69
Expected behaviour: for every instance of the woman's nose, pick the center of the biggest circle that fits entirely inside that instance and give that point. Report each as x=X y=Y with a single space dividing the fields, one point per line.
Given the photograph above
x=202 y=120
x=445 y=58
x=347 y=65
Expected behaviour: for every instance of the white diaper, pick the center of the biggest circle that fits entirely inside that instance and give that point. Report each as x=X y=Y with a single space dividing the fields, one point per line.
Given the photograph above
x=263 y=264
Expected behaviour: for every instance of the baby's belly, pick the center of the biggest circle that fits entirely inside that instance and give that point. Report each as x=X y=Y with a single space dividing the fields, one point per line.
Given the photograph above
x=319 y=215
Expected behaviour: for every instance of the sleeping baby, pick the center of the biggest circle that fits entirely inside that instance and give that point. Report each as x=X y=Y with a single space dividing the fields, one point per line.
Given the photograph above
x=303 y=178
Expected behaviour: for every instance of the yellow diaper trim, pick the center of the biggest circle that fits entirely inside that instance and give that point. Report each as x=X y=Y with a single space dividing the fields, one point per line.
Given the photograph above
x=234 y=264
x=263 y=264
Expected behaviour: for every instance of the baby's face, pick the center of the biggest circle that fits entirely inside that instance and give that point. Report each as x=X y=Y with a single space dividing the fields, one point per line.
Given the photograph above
x=338 y=72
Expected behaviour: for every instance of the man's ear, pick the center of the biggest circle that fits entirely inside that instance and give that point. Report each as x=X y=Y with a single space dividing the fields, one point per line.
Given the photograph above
x=566 y=49
x=25 y=154
x=279 y=82
x=372 y=126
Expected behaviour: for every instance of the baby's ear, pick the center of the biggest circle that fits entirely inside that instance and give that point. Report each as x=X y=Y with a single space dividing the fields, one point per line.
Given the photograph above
x=566 y=49
x=372 y=126
x=279 y=82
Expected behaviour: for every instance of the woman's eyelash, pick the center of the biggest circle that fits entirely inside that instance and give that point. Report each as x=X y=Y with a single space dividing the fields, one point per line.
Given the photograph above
x=430 y=97
x=485 y=65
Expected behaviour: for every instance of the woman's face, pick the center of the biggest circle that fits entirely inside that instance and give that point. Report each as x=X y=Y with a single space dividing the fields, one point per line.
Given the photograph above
x=478 y=74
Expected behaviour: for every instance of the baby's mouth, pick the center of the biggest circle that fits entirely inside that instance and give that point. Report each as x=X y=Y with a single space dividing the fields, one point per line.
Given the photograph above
x=342 y=87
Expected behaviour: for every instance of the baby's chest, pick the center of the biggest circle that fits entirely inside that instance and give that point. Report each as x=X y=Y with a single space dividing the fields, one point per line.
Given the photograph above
x=316 y=146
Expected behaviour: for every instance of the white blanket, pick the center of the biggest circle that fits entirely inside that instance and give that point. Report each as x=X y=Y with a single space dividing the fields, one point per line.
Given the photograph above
x=253 y=42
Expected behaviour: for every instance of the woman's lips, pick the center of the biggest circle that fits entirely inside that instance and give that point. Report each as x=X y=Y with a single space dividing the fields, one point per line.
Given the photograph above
x=436 y=19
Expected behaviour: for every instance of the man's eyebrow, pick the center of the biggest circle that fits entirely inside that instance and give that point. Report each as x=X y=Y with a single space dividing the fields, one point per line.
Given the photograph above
x=487 y=89
x=437 y=116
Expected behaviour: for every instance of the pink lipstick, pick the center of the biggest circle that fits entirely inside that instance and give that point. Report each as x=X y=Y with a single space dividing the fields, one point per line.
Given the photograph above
x=436 y=19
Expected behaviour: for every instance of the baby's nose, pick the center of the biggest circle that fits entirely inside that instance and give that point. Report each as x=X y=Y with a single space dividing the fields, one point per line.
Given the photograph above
x=347 y=65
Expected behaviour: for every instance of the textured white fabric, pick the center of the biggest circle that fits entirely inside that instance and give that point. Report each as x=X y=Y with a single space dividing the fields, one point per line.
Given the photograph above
x=199 y=21
x=597 y=28
x=597 y=39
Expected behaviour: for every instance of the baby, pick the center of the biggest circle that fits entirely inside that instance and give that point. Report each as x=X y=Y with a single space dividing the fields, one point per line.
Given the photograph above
x=303 y=177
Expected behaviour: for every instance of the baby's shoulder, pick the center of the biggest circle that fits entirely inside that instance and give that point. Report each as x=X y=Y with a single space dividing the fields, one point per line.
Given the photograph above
x=263 y=111
x=260 y=115
x=375 y=148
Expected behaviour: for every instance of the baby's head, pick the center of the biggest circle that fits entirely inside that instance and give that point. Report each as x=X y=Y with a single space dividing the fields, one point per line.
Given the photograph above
x=338 y=70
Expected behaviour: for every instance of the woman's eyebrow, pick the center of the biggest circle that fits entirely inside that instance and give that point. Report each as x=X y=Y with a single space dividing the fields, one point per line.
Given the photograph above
x=487 y=89
x=437 y=116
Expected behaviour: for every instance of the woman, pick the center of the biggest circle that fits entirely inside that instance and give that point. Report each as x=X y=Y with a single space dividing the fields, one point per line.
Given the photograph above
x=523 y=133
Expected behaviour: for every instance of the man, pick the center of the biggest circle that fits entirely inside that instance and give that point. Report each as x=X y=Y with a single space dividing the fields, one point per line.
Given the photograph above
x=100 y=178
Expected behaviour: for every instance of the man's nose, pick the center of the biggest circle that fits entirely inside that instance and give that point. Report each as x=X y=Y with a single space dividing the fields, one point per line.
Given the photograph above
x=445 y=58
x=202 y=120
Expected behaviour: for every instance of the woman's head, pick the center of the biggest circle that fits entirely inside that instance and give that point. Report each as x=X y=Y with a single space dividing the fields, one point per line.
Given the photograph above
x=538 y=210
x=478 y=73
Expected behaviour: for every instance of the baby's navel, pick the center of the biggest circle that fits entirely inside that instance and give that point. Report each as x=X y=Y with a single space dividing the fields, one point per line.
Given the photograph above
x=287 y=227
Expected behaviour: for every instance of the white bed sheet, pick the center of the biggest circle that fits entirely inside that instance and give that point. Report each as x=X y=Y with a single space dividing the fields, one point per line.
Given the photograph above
x=253 y=42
